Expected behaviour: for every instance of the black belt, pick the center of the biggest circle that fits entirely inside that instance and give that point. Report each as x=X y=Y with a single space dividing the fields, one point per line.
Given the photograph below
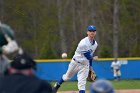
x=79 y=62
x=76 y=60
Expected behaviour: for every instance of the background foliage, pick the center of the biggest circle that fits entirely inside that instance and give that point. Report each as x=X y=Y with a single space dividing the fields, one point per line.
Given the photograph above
x=46 y=28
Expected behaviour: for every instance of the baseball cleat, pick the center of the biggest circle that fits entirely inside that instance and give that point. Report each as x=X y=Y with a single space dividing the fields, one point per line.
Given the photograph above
x=56 y=87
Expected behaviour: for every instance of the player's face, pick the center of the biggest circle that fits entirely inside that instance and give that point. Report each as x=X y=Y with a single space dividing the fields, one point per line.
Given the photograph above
x=91 y=34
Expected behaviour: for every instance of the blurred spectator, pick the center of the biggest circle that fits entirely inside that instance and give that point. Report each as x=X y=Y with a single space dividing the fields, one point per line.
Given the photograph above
x=8 y=45
x=21 y=78
x=115 y=67
x=101 y=86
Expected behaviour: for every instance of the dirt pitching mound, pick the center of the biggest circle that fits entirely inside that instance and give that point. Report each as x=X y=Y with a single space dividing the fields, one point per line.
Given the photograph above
x=117 y=91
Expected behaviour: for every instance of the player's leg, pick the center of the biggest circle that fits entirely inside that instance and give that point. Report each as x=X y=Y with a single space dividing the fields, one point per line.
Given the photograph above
x=119 y=74
x=72 y=69
x=115 y=74
x=82 y=76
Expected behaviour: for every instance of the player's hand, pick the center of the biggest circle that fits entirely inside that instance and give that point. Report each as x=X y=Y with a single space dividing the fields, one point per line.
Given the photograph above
x=95 y=58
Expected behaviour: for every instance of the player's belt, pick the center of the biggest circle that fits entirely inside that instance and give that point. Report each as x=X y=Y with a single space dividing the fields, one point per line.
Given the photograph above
x=76 y=60
x=80 y=62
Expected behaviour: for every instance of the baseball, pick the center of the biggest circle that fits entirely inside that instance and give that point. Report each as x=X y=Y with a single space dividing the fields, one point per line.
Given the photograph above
x=95 y=58
x=64 y=55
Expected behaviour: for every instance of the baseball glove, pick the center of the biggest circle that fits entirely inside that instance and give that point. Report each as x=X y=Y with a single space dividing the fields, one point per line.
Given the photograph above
x=91 y=75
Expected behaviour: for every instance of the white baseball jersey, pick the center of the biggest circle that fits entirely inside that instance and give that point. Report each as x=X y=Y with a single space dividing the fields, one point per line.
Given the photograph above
x=116 y=65
x=84 y=46
x=116 y=68
x=80 y=64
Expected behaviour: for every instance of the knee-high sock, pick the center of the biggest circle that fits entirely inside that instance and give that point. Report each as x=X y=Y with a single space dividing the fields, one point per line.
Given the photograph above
x=81 y=91
x=60 y=81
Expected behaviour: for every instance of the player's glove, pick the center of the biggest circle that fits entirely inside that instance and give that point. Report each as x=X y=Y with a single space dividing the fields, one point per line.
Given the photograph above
x=91 y=75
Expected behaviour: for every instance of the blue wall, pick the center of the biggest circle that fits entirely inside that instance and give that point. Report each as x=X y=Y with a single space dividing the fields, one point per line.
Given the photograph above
x=130 y=69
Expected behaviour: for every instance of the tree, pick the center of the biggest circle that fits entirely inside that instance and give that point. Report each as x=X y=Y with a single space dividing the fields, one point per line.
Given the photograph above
x=115 y=28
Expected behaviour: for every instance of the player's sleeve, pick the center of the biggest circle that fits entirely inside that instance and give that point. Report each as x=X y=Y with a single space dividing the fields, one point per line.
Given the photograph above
x=84 y=50
x=119 y=63
x=94 y=52
x=112 y=65
x=89 y=57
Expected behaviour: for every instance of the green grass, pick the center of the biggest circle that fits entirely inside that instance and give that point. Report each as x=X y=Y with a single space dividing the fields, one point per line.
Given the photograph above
x=126 y=84
x=123 y=84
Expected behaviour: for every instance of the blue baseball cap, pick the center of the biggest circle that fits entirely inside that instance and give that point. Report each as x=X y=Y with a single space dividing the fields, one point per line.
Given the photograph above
x=101 y=86
x=91 y=28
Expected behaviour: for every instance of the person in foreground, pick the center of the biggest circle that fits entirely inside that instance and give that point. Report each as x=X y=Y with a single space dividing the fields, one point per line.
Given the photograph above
x=21 y=77
x=8 y=45
x=101 y=86
x=81 y=62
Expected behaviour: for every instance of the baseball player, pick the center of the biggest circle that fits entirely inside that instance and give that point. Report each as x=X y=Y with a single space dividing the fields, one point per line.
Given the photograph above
x=101 y=86
x=115 y=67
x=7 y=45
x=81 y=61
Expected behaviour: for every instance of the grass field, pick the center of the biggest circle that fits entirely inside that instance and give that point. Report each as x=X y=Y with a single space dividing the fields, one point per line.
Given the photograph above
x=123 y=84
